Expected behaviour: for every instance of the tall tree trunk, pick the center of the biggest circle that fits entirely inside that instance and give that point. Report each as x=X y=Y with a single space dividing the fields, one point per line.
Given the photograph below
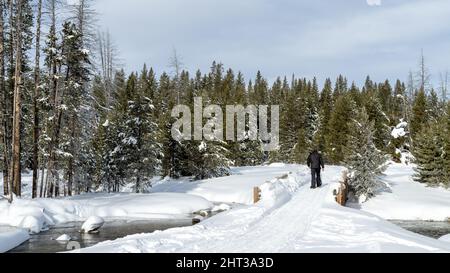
x=37 y=79
x=41 y=190
x=53 y=72
x=8 y=91
x=71 y=159
x=3 y=103
x=16 y=139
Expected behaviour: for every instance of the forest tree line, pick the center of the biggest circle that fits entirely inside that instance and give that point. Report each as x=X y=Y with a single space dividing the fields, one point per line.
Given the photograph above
x=80 y=123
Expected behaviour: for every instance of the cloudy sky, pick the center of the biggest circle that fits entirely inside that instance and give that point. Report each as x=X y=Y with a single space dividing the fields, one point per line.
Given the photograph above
x=320 y=38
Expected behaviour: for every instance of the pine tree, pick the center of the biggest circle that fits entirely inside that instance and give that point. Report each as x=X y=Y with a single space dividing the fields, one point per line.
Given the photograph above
x=385 y=96
x=339 y=128
x=429 y=153
x=74 y=61
x=246 y=152
x=381 y=121
x=364 y=161
x=400 y=103
x=326 y=107
x=447 y=145
x=434 y=111
x=419 y=113
x=355 y=95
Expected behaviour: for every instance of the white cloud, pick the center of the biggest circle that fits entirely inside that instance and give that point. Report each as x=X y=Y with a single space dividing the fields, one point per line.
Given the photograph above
x=374 y=2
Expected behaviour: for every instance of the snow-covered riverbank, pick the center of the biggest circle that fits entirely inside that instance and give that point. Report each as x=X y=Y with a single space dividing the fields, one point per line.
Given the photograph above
x=40 y=214
x=407 y=199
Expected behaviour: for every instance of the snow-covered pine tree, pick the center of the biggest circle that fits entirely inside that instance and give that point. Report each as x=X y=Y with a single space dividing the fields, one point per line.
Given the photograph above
x=400 y=135
x=293 y=119
x=210 y=157
x=145 y=160
x=247 y=152
x=137 y=135
x=429 y=154
x=363 y=159
x=74 y=61
x=312 y=117
x=173 y=152
x=381 y=121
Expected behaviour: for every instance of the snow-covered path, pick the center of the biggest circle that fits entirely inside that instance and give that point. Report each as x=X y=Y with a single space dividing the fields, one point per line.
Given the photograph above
x=272 y=233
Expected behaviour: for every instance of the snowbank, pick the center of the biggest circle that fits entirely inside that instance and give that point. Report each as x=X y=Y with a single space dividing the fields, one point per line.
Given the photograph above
x=37 y=215
x=445 y=238
x=289 y=218
x=11 y=238
x=407 y=199
x=238 y=188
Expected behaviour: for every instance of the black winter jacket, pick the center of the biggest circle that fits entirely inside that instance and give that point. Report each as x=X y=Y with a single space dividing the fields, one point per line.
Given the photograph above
x=315 y=161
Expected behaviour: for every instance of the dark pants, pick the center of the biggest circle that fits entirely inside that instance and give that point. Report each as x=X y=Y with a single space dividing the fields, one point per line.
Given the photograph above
x=316 y=181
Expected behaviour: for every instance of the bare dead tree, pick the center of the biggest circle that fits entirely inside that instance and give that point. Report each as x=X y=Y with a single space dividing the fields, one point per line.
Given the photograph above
x=109 y=63
x=85 y=17
x=423 y=76
x=444 y=78
x=177 y=66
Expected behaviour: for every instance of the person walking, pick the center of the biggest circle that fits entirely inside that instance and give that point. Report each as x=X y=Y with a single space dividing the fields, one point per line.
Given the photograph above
x=315 y=162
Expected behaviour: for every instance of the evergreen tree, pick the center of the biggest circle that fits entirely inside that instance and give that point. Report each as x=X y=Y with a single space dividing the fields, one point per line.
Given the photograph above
x=419 y=113
x=434 y=111
x=339 y=128
x=381 y=121
x=326 y=108
x=447 y=145
x=385 y=96
x=429 y=153
x=364 y=161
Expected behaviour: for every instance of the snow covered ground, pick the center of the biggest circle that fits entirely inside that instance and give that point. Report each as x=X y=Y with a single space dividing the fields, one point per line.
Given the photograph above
x=407 y=199
x=289 y=218
x=235 y=189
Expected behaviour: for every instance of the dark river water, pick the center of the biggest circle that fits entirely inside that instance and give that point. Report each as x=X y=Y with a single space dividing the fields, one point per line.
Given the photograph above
x=428 y=228
x=45 y=242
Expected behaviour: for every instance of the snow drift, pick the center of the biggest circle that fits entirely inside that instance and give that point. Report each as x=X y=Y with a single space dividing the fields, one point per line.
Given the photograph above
x=38 y=215
x=407 y=199
x=11 y=238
